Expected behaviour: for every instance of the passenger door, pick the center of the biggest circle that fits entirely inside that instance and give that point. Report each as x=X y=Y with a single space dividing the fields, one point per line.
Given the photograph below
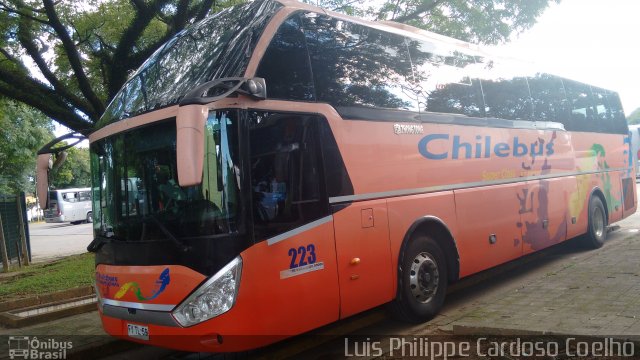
x=292 y=224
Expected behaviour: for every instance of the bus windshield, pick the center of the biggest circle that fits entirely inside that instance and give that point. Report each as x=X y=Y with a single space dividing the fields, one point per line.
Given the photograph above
x=136 y=192
x=219 y=46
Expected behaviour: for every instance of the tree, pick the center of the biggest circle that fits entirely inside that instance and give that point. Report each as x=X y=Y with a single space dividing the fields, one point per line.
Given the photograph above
x=476 y=21
x=69 y=61
x=24 y=130
x=634 y=117
x=75 y=172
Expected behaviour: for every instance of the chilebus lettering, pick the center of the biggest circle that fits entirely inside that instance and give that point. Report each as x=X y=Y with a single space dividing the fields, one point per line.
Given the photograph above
x=444 y=146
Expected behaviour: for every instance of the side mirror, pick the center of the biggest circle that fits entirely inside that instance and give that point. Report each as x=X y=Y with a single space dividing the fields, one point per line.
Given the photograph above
x=190 y=143
x=42 y=179
x=45 y=163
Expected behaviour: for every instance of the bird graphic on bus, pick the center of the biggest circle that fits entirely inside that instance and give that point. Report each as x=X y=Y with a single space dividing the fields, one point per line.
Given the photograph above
x=161 y=284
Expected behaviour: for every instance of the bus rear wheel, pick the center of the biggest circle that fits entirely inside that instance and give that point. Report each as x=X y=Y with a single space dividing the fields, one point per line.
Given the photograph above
x=423 y=281
x=597 y=227
x=89 y=217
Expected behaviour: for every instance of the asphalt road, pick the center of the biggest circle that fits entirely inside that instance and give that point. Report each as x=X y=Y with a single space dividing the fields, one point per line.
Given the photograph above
x=52 y=241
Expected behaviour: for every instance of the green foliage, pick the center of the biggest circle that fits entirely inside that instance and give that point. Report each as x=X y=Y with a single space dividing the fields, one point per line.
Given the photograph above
x=75 y=172
x=84 y=52
x=68 y=273
x=634 y=117
x=24 y=131
x=476 y=21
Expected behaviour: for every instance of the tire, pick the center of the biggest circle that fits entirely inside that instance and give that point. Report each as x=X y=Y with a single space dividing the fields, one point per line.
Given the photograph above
x=597 y=226
x=89 y=217
x=419 y=297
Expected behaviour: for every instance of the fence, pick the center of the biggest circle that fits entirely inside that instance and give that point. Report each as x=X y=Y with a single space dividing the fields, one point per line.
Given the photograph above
x=13 y=216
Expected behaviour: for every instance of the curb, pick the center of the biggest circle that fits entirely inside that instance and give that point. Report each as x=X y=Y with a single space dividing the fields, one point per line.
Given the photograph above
x=53 y=297
x=9 y=310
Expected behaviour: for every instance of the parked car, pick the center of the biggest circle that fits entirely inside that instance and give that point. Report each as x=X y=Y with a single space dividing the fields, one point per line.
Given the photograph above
x=69 y=205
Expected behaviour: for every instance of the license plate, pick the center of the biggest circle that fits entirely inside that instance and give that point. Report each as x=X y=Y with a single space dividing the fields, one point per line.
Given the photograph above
x=138 y=331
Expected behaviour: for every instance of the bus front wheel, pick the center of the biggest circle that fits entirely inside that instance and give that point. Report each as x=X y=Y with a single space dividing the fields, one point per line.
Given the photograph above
x=423 y=281
x=89 y=217
x=597 y=226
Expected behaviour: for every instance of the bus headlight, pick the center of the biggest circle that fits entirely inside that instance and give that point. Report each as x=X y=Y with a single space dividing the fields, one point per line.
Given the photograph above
x=213 y=298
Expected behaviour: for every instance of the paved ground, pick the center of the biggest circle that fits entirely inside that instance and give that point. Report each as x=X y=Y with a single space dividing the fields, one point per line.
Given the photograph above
x=50 y=241
x=594 y=293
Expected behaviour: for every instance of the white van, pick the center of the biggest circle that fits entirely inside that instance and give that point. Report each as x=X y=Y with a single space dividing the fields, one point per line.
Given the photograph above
x=69 y=205
x=634 y=133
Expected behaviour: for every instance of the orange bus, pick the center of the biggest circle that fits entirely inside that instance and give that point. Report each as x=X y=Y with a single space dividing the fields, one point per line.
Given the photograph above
x=277 y=167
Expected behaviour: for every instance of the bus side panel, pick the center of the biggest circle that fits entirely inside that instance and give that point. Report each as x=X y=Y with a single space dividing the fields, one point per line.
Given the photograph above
x=407 y=210
x=546 y=213
x=364 y=256
x=630 y=196
x=288 y=287
x=617 y=200
x=609 y=156
x=490 y=232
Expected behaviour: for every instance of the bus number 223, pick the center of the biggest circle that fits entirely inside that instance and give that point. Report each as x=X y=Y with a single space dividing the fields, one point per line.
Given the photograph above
x=302 y=256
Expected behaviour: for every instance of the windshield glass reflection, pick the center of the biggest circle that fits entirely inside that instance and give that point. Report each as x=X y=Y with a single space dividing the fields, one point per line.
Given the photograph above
x=219 y=46
x=136 y=185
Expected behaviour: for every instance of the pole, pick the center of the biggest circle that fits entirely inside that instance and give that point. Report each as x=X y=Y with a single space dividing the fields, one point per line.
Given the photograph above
x=3 y=249
x=23 y=236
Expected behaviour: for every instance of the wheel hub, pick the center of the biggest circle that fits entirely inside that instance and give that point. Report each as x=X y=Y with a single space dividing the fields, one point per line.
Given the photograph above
x=423 y=277
x=598 y=222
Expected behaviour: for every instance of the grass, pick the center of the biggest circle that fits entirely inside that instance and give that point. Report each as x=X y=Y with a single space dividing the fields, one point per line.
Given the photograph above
x=67 y=273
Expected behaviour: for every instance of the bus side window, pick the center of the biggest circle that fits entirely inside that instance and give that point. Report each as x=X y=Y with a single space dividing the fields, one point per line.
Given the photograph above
x=506 y=91
x=285 y=65
x=69 y=197
x=84 y=196
x=354 y=65
x=444 y=80
x=549 y=99
x=620 y=125
x=609 y=114
x=286 y=172
x=581 y=102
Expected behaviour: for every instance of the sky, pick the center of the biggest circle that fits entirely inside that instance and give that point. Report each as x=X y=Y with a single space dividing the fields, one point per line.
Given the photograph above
x=592 y=41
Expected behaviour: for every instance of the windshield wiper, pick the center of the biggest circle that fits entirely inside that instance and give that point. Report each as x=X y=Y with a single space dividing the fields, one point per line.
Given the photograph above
x=255 y=87
x=182 y=246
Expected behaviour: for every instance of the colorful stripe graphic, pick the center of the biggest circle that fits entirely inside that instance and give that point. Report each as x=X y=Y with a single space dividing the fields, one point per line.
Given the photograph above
x=161 y=284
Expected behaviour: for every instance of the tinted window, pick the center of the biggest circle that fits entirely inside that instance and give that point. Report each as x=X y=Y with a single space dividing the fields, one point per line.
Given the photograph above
x=506 y=92
x=70 y=197
x=84 y=196
x=354 y=65
x=615 y=107
x=608 y=111
x=581 y=105
x=443 y=81
x=285 y=65
x=549 y=99
x=219 y=46
x=285 y=172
